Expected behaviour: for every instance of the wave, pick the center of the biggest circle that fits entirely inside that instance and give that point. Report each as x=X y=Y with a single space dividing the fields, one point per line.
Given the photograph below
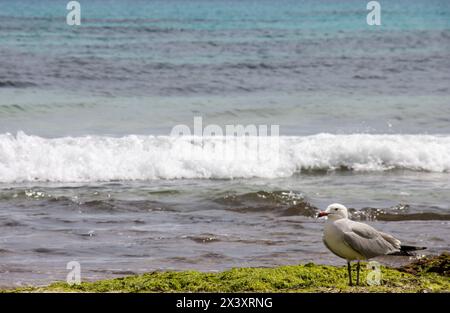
x=25 y=158
x=290 y=203
x=281 y=203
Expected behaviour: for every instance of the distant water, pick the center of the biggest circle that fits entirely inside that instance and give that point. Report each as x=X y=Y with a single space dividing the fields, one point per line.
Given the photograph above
x=88 y=172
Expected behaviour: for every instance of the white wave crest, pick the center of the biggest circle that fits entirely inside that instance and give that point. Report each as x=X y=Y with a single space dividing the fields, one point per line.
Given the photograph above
x=25 y=158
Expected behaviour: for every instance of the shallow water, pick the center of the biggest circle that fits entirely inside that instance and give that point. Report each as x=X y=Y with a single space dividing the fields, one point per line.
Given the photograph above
x=120 y=228
x=88 y=172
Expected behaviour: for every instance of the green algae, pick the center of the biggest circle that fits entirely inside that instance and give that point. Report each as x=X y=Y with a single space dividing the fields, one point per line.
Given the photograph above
x=295 y=278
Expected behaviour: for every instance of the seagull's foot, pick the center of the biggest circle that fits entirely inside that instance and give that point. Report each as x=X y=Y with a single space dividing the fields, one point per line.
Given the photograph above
x=349 y=269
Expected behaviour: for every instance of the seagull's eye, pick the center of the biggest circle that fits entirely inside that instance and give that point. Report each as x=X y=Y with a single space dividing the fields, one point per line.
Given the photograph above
x=335 y=209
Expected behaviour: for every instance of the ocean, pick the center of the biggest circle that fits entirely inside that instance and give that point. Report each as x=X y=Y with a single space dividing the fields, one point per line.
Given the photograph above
x=90 y=173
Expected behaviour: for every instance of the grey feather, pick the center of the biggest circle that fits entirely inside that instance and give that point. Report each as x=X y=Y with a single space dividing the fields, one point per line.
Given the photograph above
x=392 y=240
x=368 y=241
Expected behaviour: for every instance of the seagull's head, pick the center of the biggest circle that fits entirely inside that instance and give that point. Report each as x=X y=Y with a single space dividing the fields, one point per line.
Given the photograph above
x=335 y=212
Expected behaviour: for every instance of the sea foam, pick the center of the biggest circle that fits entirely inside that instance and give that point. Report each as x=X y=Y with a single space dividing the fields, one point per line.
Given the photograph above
x=25 y=158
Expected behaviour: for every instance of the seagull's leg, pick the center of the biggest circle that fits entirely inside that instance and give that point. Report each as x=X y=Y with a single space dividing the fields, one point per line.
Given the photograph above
x=358 y=267
x=349 y=268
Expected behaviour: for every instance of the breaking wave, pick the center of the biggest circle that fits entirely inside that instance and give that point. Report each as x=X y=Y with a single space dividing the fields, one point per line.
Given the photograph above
x=25 y=158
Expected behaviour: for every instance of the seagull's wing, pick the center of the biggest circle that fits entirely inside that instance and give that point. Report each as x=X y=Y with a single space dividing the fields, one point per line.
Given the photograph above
x=368 y=241
x=392 y=240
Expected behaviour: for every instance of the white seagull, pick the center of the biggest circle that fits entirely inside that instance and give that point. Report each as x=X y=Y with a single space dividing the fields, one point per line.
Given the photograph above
x=354 y=241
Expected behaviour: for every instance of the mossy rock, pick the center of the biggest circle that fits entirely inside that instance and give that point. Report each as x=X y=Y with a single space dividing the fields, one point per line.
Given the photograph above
x=433 y=264
x=426 y=275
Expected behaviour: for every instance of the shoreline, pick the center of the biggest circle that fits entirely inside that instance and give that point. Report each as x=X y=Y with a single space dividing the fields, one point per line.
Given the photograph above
x=429 y=274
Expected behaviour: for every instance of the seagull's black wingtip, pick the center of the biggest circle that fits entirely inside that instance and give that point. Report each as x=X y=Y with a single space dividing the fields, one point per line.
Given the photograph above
x=411 y=248
x=407 y=250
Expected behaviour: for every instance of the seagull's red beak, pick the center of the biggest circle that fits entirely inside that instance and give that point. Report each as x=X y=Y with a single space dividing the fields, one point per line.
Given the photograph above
x=322 y=214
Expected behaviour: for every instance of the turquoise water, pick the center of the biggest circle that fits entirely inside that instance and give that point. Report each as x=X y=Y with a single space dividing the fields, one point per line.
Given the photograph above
x=150 y=65
x=88 y=173
x=228 y=14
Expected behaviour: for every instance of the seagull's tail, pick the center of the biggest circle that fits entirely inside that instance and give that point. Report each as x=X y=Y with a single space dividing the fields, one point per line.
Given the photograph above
x=407 y=250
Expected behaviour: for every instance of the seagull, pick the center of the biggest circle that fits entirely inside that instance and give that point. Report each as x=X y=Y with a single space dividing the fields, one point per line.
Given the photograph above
x=354 y=241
